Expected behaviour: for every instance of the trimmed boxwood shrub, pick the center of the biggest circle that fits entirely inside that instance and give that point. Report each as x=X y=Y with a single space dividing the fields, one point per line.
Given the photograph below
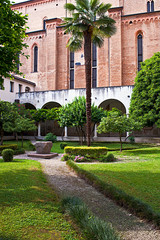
x=109 y=158
x=7 y=155
x=8 y=146
x=83 y=151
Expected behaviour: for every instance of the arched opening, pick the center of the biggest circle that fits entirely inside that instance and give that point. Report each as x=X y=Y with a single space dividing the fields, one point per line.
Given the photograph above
x=29 y=106
x=50 y=105
x=27 y=89
x=108 y=105
x=51 y=125
x=113 y=103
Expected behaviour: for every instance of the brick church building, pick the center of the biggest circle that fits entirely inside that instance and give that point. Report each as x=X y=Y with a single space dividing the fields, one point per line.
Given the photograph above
x=59 y=74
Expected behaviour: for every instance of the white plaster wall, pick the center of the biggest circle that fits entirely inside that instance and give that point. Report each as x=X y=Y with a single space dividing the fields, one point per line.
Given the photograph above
x=39 y=99
x=6 y=95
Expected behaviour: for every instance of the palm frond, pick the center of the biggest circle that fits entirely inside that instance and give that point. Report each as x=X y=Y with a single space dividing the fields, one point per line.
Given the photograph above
x=70 y=7
x=103 y=9
x=74 y=44
x=94 y=4
x=108 y=30
x=84 y=4
x=98 y=40
x=104 y=21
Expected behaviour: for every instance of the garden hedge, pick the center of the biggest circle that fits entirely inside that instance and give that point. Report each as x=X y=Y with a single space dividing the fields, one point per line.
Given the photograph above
x=83 y=151
x=8 y=146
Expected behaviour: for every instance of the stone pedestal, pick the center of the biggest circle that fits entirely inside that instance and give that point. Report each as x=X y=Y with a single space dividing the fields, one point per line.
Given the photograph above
x=43 y=147
x=43 y=150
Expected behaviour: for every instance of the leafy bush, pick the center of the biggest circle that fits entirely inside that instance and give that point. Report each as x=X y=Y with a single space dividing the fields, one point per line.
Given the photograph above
x=109 y=158
x=131 y=139
x=94 y=152
x=19 y=151
x=50 y=137
x=79 y=158
x=7 y=155
x=66 y=157
x=63 y=145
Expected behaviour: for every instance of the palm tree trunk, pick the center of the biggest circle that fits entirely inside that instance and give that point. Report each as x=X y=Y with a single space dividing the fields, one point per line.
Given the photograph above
x=87 y=56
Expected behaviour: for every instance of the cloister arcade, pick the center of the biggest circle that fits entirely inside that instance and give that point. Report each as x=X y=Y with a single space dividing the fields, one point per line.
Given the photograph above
x=106 y=98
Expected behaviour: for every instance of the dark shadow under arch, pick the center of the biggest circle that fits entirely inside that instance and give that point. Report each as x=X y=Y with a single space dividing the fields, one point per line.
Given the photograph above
x=29 y=106
x=50 y=105
x=113 y=103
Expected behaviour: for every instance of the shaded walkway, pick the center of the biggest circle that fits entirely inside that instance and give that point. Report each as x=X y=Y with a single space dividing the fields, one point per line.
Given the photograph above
x=66 y=183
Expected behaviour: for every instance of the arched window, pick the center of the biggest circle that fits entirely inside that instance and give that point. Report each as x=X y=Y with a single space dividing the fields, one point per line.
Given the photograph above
x=148 y=6
x=139 y=50
x=71 y=70
x=152 y=6
x=27 y=89
x=35 y=65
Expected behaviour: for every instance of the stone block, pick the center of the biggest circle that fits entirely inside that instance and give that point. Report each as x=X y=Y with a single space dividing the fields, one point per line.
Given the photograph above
x=43 y=147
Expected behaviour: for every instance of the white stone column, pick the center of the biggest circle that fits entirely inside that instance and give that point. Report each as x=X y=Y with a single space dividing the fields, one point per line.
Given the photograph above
x=39 y=129
x=95 y=131
x=65 y=132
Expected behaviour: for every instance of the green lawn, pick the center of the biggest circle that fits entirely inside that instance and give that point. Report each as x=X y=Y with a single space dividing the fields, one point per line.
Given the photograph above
x=28 y=207
x=26 y=144
x=56 y=146
x=140 y=179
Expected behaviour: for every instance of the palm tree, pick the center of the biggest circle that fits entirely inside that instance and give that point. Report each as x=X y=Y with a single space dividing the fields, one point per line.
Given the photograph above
x=85 y=28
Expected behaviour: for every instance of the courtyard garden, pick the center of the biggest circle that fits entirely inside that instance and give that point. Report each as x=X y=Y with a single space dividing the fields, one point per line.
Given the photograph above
x=29 y=208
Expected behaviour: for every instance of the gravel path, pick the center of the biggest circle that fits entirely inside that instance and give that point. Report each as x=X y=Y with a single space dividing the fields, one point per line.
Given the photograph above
x=66 y=183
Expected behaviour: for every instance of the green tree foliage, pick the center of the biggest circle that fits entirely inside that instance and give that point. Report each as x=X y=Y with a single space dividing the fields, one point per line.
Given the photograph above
x=22 y=111
x=23 y=124
x=119 y=123
x=83 y=26
x=8 y=115
x=74 y=115
x=145 y=100
x=41 y=115
x=12 y=34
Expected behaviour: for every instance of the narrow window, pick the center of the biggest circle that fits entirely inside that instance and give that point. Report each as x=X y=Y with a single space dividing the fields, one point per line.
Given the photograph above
x=20 y=88
x=94 y=66
x=148 y=6
x=140 y=50
x=11 y=86
x=71 y=70
x=35 y=67
x=152 y=6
